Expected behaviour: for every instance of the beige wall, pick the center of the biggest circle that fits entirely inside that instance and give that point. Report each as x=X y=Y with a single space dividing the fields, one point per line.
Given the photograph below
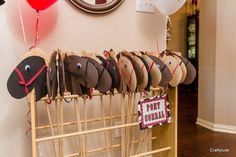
x=225 y=84
x=64 y=27
x=207 y=50
x=217 y=75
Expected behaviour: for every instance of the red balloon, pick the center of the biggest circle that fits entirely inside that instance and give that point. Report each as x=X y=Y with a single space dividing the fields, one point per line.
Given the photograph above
x=41 y=4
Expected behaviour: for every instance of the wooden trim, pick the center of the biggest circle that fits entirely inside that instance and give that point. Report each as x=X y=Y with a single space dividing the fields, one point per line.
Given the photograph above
x=96 y=9
x=216 y=127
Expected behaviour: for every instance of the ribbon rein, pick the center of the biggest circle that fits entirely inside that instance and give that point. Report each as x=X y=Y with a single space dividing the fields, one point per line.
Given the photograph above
x=22 y=80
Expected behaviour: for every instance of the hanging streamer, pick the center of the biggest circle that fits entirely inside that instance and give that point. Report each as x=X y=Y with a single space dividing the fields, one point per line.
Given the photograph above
x=25 y=41
x=22 y=23
x=28 y=117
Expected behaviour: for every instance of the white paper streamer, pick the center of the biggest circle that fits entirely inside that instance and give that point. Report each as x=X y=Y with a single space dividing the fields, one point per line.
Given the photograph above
x=22 y=23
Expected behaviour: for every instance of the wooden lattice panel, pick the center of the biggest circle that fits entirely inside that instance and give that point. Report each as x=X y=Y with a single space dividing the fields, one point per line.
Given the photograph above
x=116 y=129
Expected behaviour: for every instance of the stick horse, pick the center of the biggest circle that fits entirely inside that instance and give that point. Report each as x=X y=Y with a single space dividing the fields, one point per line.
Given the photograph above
x=29 y=74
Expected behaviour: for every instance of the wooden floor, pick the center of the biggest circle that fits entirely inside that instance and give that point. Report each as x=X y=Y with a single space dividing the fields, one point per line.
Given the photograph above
x=196 y=141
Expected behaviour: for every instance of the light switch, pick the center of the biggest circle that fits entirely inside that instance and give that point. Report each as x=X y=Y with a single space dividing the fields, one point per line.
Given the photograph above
x=145 y=6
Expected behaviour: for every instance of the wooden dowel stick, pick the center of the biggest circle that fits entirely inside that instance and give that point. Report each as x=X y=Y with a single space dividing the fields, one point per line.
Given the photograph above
x=111 y=122
x=51 y=128
x=85 y=126
x=104 y=124
x=129 y=121
x=33 y=130
x=122 y=105
x=145 y=141
x=62 y=128
x=77 y=113
x=130 y=98
x=60 y=111
x=58 y=126
x=142 y=137
x=133 y=128
x=132 y=142
x=147 y=131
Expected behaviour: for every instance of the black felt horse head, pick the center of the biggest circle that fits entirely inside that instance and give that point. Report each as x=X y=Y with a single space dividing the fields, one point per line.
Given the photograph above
x=113 y=68
x=29 y=74
x=112 y=71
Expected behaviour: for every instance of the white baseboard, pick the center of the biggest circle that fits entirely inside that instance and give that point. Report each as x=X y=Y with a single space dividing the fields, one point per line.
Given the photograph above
x=216 y=127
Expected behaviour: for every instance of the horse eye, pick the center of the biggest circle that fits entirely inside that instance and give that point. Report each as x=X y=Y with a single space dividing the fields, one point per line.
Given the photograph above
x=27 y=68
x=169 y=62
x=79 y=65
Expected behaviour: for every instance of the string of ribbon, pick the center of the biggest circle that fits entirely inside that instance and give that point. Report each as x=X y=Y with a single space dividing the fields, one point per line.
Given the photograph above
x=28 y=117
x=36 y=40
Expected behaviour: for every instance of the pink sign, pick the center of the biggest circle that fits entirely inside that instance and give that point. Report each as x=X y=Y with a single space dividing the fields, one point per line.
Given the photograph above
x=153 y=111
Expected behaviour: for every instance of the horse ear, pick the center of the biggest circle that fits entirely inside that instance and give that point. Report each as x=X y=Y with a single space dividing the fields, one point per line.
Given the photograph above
x=163 y=56
x=137 y=53
x=63 y=55
x=118 y=56
x=178 y=53
x=153 y=53
x=132 y=52
x=142 y=52
x=84 y=53
x=112 y=53
x=163 y=53
x=66 y=54
x=168 y=51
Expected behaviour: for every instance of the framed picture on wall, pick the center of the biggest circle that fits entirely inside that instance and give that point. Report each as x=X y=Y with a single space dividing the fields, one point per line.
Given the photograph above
x=192 y=36
x=192 y=44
